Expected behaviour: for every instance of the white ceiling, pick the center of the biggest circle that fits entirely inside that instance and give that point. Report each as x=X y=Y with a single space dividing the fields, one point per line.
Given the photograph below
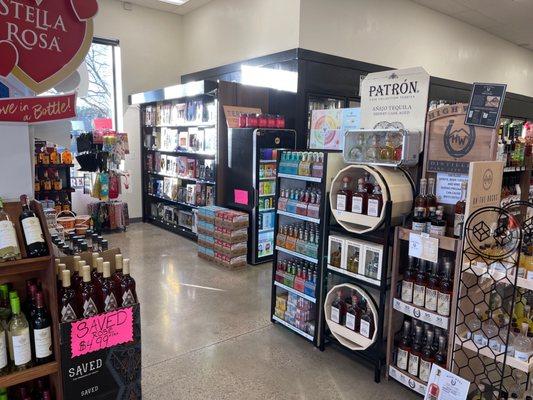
x=160 y=5
x=509 y=19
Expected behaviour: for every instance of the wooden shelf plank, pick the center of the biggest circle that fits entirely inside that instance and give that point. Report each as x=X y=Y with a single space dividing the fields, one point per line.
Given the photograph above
x=24 y=265
x=29 y=374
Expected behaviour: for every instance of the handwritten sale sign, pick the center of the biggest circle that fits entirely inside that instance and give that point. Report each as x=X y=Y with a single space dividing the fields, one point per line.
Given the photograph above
x=101 y=331
x=38 y=109
x=42 y=42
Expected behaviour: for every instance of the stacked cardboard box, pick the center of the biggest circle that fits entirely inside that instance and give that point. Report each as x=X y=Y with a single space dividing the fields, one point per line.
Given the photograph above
x=223 y=236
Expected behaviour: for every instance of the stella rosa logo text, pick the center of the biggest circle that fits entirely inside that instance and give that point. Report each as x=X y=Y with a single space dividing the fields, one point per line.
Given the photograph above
x=393 y=89
x=41 y=25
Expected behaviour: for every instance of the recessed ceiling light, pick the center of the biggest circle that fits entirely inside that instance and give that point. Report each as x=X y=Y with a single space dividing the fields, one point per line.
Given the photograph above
x=175 y=2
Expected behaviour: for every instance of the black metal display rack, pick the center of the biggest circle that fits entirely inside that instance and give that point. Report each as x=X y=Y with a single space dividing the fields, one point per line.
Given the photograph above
x=491 y=292
x=168 y=208
x=309 y=330
x=375 y=354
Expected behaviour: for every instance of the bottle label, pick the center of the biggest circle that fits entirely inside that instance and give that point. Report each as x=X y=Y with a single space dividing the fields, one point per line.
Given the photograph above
x=438 y=230
x=419 y=292
x=3 y=351
x=522 y=355
x=443 y=304
x=431 y=299
x=22 y=347
x=425 y=370
x=341 y=202
x=414 y=362
x=128 y=299
x=8 y=236
x=419 y=226
x=428 y=227
x=407 y=291
x=89 y=308
x=357 y=205
x=68 y=314
x=365 y=329
x=110 y=303
x=32 y=230
x=458 y=222
x=401 y=361
x=335 y=315
x=350 y=321
x=43 y=342
x=373 y=207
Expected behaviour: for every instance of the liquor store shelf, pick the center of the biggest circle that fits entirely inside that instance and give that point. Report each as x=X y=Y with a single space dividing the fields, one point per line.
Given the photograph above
x=358 y=277
x=183 y=153
x=421 y=314
x=295 y=254
x=29 y=374
x=445 y=242
x=297 y=292
x=174 y=228
x=298 y=216
x=293 y=328
x=408 y=380
x=300 y=177
x=486 y=351
x=349 y=335
x=183 y=178
x=172 y=201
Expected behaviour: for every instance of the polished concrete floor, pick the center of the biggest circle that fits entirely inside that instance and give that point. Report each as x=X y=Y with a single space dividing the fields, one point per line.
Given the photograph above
x=206 y=332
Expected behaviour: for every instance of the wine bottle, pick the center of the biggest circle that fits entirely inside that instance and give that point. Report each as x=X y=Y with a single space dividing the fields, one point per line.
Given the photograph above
x=117 y=275
x=42 y=333
x=109 y=291
x=128 y=293
x=9 y=247
x=4 y=365
x=87 y=299
x=32 y=231
x=68 y=307
x=19 y=332
x=5 y=308
x=76 y=278
x=94 y=267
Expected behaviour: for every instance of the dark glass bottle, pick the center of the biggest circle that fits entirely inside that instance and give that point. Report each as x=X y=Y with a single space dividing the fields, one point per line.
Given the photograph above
x=440 y=357
x=431 y=198
x=460 y=208
x=421 y=199
x=338 y=309
x=76 y=278
x=408 y=281
x=87 y=298
x=360 y=198
x=419 y=288
x=353 y=315
x=108 y=290
x=416 y=352
x=445 y=290
x=344 y=195
x=438 y=223
x=68 y=306
x=369 y=186
x=375 y=202
x=432 y=288
x=404 y=347
x=427 y=358
x=128 y=292
x=119 y=265
x=42 y=333
x=419 y=220
x=32 y=231
x=367 y=320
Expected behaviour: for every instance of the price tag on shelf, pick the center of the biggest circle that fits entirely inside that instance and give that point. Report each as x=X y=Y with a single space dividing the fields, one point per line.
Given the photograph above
x=424 y=247
x=443 y=385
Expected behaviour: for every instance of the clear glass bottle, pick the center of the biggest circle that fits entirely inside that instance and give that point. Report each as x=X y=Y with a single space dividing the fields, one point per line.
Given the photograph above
x=438 y=224
x=421 y=198
x=404 y=347
x=419 y=288
x=444 y=298
x=419 y=220
x=432 y=288
x=387 y=152
x=357 y=152
x=460 y=208
x=9 y=247
x=373 y=150
x=431 y=198
x=522 y=344
x=427 y=359
x=416 y=352
x=408 y=281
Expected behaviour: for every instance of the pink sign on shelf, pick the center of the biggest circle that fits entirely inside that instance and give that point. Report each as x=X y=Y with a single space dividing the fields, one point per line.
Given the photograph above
x=240 y=197
x=102 y=124
x=101 y=331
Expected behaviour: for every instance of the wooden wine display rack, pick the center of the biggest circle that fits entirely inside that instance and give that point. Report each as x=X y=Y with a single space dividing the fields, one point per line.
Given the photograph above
x=16 y=273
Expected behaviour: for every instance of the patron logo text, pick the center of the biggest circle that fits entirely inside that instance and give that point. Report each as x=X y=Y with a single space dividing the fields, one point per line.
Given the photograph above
x=393 y=89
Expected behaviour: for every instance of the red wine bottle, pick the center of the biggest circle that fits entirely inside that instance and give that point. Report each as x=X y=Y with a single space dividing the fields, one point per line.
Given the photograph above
x=68 y=306
x=117 y=275
x=87 y=299
x=128 y=293
x=108 y=293
x=42 y=333
x=32 y=231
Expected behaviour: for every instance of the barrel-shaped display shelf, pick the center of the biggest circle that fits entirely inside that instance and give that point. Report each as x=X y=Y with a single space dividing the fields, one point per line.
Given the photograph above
x=396 y=186
x=347 y=337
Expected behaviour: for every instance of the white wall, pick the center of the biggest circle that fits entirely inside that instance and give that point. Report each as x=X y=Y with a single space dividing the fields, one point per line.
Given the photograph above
x=400 y=33
x=227 y=31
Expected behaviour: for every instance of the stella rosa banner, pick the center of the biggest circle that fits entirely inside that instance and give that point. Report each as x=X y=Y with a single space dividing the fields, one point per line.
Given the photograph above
x=38 y=109
x=42 y=42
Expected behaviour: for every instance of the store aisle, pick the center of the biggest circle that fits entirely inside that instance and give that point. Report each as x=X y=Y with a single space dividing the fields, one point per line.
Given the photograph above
x=206 y=332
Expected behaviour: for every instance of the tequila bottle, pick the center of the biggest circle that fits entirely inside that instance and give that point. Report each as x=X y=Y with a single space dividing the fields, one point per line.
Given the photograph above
x=360 y=198
x=357 y=152
x=387 y=152
x=373 y=151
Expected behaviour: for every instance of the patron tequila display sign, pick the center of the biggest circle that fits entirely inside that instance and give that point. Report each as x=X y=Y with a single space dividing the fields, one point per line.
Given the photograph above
x=395 y=99
x=42 y=42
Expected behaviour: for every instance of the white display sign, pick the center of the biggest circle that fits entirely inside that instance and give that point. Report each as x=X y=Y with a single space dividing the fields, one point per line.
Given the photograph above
x=449 y=187
x=424 y=247
x=395 y=99
x=443 y=385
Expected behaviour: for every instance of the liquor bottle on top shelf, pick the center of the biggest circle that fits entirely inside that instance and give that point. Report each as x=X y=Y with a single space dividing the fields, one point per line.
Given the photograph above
x=32 y=231
x=357 y=152
x=19 y=334
x=42 y=334
x=416 y=352
x=372 y=152
x=460 y=208
x=128 y=292
x=344 y=195
x=359 y=198
x=404 y=347
x=108 y=291
x=428 y=357
x=9 y=247
x=438 y=223
x=408 y=281
x=87 y=299
x=421 y=198
x=68 y=306
x=338 y=309
x=375 y=202
x=431 y=198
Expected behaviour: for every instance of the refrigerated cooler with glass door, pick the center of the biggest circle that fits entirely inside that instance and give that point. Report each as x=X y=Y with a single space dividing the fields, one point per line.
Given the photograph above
x=251 y=183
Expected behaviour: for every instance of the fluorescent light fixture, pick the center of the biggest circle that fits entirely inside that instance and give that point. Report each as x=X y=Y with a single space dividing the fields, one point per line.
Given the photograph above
x=270 y=78
x=175 y=2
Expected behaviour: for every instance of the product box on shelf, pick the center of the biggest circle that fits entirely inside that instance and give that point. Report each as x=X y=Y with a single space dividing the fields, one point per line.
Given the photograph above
x=206 y=241
x=230 y=249
x=231 y=236
x=208 y=214
x=231 y=219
